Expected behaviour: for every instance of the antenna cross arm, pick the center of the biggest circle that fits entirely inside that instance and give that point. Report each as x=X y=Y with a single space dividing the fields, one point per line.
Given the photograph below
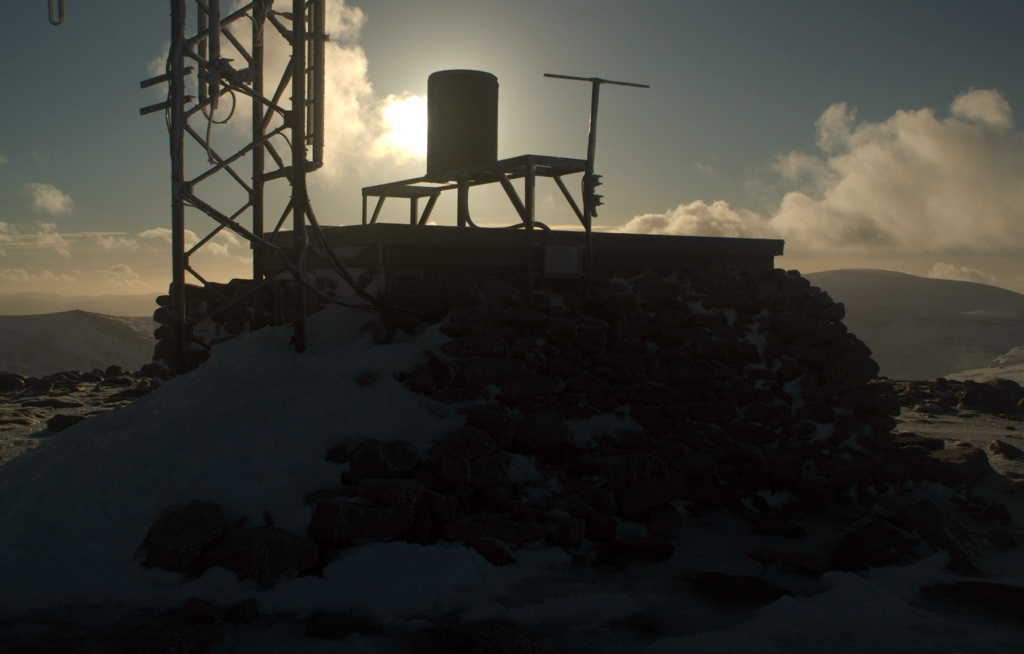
x=597 y=80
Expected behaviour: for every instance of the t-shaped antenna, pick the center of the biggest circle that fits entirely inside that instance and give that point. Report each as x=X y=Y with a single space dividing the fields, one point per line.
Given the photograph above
x=591 y=181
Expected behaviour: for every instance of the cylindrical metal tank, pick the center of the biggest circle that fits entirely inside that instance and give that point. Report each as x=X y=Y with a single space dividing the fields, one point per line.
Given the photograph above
x=462 y=120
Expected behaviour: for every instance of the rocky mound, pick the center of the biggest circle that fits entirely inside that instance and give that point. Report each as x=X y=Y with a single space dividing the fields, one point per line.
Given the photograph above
x=597 y=418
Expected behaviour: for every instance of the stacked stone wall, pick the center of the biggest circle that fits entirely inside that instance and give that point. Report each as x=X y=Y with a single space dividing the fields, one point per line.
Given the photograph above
x=600 y=412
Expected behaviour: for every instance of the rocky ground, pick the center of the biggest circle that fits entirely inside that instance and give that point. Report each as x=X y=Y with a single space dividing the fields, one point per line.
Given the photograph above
x=34 y=408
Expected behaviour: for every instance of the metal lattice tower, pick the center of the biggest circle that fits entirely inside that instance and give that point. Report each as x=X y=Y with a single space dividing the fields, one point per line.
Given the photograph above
x=223 y=63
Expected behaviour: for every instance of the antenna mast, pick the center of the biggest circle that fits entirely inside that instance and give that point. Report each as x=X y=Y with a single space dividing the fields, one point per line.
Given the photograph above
x=591 y=200
x=289 y=131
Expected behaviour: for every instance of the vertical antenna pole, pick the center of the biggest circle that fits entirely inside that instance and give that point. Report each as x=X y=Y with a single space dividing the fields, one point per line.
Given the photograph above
x=258 y=160
x=589 y=210
x=298 y=127
x=177 y=129
x=590 y=180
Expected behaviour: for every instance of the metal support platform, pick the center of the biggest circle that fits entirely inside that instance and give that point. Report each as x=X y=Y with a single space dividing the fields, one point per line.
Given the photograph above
x=527 y=167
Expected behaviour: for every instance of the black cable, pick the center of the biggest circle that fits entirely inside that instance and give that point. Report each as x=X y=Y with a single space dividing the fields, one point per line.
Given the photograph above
x=338 y=267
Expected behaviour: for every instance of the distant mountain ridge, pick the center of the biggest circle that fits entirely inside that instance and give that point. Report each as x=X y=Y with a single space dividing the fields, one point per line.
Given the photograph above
x=31 y=304
x=923 y=328
x=37 y=345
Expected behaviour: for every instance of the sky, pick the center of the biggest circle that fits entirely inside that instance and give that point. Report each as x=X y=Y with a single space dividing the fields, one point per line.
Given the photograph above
x=870 y=134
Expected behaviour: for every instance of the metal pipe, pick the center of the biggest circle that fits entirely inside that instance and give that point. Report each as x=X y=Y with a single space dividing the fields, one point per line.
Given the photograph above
x=298 y=125
x=61 y=13
x=513 y=197
x=589 y=206
x=202 y=47
x=426 y=210
x=213 y=71
x=318 y=82
x=258 y=159
x=462 y=212
x=177 y=130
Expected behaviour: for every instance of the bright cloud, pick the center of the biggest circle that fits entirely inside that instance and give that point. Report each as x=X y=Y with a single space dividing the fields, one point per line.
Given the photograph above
x=122 y=275
x=117 y=243
x=48 y=238
x=3 y=159
x=219 y=245
x=405 y=124
x=164 y=234
x=19 y=275
x=701 y=219
x=47 y=198
x=7 y=232
x=916 y=182
x=357 y=120
x=960 y=273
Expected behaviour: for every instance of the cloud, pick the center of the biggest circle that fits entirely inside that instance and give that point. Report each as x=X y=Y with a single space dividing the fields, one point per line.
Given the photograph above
x=7 y=233
x=3 y=159
x=986 y=106
x=164 y=234
x=358 y=120
x=960 y=273
x=404 y=134
x=913 y=183
x=20 y=275
x=48 y=238
x=359 y=124
x=49 y=199
x=701 y=219
x=117 y=243
x=121 y=275
x=219 y=245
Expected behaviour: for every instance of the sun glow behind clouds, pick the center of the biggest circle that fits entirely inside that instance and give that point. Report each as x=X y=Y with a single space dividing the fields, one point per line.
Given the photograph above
x=405 y=125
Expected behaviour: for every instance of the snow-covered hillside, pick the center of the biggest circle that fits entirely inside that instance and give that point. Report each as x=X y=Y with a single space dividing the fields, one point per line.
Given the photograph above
x=40 y=345
x=1009 y=365
x=921 y=328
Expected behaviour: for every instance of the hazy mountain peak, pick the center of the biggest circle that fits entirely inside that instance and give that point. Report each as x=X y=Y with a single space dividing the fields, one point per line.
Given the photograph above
x=922 y=328
x=37 y=345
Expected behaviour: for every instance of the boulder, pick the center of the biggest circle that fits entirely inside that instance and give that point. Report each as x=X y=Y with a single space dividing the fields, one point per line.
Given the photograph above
x=264 y=554
x=377 y=459
x=11 y=382
x=178 y=538
x=735 y=589
x=996 y=599
x=955 y=466
x=62 y=421
x=339 y=522
x=878 y=543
